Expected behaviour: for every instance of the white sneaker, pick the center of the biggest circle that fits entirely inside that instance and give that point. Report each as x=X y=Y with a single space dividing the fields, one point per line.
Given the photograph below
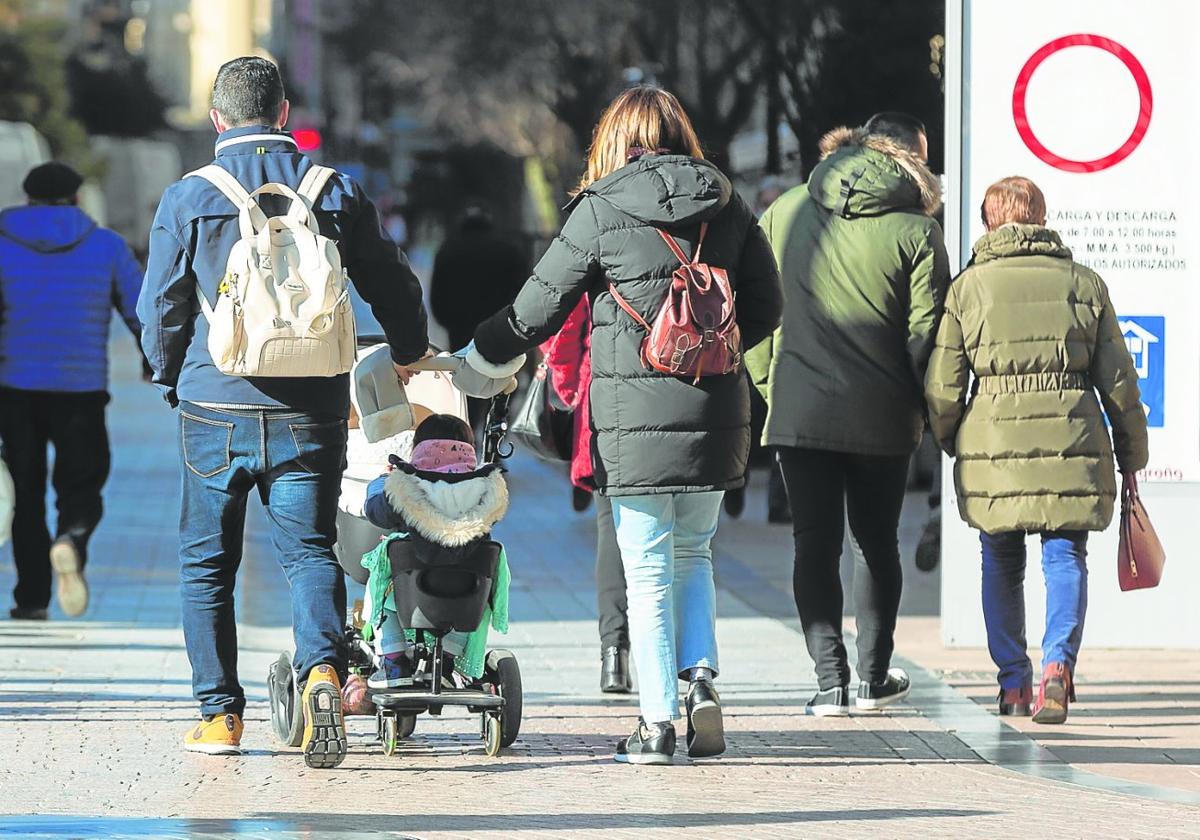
x=68 y=568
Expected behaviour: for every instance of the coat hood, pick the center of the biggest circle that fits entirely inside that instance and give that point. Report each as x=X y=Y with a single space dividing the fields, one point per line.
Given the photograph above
x=665 y=190
x=450 y=511
x=1014 y=240
x=863 y=174
x=48 y=229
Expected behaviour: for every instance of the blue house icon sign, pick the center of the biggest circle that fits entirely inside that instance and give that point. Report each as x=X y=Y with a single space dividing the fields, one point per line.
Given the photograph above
x=1145 y=336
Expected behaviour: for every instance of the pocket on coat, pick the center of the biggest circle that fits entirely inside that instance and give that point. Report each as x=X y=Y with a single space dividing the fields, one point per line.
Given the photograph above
x=206 y=444
x=320 y=447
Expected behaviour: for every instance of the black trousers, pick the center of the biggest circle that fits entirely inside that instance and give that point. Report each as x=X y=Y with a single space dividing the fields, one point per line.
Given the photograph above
x=74 y=424
x=610 y=579
x=824 y=490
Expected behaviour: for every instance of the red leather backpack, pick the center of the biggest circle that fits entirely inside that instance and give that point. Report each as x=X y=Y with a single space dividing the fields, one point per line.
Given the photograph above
x=695 y=332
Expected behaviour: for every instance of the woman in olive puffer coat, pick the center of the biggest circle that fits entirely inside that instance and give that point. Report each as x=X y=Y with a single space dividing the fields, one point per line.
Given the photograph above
x=664 y=448
x=1040 y=337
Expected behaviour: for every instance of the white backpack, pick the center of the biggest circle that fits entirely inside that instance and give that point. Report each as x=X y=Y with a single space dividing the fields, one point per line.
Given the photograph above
x=283 y=307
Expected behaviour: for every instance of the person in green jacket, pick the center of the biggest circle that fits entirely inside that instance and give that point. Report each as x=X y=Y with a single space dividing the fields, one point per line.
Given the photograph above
x=864 y=272
x=1041 y=339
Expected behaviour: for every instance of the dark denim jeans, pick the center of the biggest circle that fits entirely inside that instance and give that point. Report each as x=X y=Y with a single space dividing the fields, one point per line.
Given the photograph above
x=295 y=462
x=1064 y=563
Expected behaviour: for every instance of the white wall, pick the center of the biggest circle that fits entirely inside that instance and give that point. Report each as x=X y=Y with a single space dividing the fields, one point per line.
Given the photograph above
x=1083 y=105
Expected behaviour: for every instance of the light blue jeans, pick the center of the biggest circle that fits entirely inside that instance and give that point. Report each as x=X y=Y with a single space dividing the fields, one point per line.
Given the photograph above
x=666 y=549
x=1064 y=564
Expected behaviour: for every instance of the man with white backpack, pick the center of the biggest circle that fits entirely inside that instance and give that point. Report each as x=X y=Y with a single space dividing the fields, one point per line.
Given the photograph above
x=248 y=326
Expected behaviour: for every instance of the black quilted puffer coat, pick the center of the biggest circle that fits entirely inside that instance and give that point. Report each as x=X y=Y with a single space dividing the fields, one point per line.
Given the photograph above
x=653 y=433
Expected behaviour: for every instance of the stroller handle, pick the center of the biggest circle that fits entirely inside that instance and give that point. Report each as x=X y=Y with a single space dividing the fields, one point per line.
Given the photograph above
x=445 y=363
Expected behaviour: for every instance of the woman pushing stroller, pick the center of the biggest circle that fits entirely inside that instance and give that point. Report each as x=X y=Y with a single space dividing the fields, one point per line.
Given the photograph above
x=666 y=446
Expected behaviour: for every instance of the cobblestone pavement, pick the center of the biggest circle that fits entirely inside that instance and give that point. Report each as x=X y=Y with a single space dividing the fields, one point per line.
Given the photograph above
x=92 y=713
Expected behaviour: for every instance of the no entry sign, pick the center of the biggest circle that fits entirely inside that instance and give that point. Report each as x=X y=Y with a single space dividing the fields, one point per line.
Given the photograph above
x=1145 y=105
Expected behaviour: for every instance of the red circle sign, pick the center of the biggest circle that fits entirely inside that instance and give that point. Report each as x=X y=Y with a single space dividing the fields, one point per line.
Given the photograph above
x=1144 y=94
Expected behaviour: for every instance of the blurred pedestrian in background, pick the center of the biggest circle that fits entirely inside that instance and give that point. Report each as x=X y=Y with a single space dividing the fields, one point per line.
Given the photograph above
x=478 y=271
x=61 y=276
x=666 y=447
x=1038 y=333
x=282 y=437
x=568 y=356
x=864 y=274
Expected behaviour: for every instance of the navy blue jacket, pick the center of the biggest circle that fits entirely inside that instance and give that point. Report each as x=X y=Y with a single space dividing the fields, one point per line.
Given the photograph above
x=61 y=275
x=194 y=231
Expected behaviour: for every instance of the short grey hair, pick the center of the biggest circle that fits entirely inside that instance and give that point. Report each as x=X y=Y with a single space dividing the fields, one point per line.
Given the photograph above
x=248 y=90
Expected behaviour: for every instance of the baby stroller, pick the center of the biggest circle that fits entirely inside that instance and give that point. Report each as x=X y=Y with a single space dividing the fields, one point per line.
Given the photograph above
x=436 y=591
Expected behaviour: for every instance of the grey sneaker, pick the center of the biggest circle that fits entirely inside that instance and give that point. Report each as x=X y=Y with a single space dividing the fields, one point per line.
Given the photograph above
x=833 y=702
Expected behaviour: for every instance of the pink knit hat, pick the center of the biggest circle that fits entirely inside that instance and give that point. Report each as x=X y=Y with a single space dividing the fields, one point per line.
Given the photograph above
x=444 y=456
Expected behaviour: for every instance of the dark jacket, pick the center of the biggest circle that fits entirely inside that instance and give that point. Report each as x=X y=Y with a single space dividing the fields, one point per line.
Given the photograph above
x=1039 y=335
x=864 y=274
x=476 y=273
x=194 y=231
x=61 y=276
x=654 y=433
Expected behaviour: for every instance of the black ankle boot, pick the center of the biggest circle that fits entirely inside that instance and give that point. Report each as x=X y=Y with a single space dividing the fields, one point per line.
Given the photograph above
x=614 y=671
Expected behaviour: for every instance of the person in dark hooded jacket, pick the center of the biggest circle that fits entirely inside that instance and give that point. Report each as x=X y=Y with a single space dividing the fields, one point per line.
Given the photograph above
x=61 y=276
x=865 y=273
x=664 y=448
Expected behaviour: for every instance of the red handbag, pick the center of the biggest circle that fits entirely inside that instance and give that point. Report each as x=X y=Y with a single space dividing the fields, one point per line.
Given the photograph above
x=1140 y=555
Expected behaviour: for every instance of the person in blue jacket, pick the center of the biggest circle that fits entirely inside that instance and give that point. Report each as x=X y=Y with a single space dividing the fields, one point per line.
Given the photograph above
x=283 y=438
x=61 y=275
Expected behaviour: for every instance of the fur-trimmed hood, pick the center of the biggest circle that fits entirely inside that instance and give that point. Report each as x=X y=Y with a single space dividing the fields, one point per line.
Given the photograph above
x=863 y=174
x=452 y=510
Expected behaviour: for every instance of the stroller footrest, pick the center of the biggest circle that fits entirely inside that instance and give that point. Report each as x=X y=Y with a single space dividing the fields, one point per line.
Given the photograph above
x=448 y=697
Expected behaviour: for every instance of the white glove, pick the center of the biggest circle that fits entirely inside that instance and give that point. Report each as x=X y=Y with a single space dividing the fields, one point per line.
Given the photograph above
x=501 y=371
x=477 y=377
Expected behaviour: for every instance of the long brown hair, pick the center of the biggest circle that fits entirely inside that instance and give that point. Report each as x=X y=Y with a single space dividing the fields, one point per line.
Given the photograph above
x=642 y=117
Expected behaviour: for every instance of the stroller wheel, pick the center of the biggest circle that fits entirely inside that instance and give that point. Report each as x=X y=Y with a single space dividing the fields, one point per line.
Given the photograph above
x=493 y=736
x=389 y=732
x=286 y=719
x=503 y=671
x=407 y=724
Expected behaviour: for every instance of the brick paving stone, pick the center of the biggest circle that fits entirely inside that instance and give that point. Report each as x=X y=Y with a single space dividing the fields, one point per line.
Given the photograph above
x=92 y=713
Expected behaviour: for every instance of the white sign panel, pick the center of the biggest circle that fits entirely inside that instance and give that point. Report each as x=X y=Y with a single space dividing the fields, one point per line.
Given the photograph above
x=1098 y=102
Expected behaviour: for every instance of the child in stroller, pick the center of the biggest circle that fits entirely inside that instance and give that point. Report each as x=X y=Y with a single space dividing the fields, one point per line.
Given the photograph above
x=439 y=496
x=436 y=574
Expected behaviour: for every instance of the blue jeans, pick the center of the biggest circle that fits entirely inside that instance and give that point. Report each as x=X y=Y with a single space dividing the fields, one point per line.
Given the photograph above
x=666 y=549
x=1064 y=563
x=295 y=462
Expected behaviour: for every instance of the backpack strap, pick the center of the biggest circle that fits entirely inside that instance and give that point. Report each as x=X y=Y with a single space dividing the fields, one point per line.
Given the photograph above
x=220 y=178
x=229 y=186
x=624 y=304
x=675 y=249
x=313 y=183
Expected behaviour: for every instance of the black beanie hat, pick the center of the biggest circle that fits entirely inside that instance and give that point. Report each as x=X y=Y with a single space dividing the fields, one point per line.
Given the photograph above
x=52 y=182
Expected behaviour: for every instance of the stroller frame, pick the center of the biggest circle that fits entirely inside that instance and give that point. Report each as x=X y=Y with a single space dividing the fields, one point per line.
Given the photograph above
x=496 y=697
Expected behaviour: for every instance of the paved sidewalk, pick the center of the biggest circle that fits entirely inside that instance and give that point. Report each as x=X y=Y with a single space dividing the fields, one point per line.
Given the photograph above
x=92 y=713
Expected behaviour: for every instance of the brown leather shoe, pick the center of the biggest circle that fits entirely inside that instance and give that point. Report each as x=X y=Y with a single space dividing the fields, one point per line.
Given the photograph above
x=1016 y=702
x=1055 y=694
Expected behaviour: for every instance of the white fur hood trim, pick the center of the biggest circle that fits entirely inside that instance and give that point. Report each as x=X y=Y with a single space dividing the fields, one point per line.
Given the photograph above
x=448 y=513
